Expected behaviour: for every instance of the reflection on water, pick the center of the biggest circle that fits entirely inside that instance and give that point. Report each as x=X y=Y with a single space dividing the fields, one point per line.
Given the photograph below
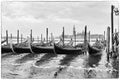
x=46 y=57
x=93 y=60
x=67 y=59
x=6 y=55
x=28 y=57
x=89 y=73
x=65 y=62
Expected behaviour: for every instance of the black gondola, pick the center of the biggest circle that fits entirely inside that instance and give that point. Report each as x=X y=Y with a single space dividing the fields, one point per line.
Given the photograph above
x=42 y=49
x=3 y=41
x=6 y=49
x=94 y=50
x=60 y=50
x=18 y=49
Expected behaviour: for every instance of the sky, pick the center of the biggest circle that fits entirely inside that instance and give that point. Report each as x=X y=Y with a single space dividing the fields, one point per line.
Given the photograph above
x=54 y=15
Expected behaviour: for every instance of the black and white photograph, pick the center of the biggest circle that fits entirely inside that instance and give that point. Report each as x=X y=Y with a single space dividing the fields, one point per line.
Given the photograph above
x=59 y=39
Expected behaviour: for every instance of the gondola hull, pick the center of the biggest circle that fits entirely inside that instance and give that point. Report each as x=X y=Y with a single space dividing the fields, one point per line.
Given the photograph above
x=93 y=50
x=21 y=49
x=59 y=50
x=5 y=49
x=41 y=49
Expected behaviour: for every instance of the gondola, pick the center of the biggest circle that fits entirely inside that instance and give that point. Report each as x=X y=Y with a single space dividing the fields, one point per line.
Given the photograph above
x=60 y=50
x=3 y=41
x=94 y=50
x=18 y=49
x=42 y=49
x=6 y=49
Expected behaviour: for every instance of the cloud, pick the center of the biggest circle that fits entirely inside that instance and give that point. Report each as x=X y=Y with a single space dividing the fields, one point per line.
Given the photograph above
x=56 y=14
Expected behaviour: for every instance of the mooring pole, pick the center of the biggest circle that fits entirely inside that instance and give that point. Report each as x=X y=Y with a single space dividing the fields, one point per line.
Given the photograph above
x=108 y=43
x=21 y=38
x=74 y=34
x=11 y=36
x=85 y=38
x=104 y=36
x=112 y=27
x=38 y=39
x=46 y=35
x=115 y=47
x=51 y=37
x=31 y=36
x=41 y=37
x=63 y=36
x=6 y=37
x=17 y=36
x=89 y=36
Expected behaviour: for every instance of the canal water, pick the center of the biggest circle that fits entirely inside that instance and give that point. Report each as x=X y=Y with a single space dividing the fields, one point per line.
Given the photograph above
x=50 y=65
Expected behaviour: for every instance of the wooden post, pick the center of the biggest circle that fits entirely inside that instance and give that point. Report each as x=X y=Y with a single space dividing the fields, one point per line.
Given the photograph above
x=115 y=46
x=11 y=36
x=46 y=35
x=85 y=35
x=108 y=43
x=51 y=36
x=99 y=37
x=44 y=38
x=6 y=37
x=85 y=38
x=31 y=36
x=38 y=39
x=63 y=36
x=49 y=39
x=115 y=30
x=17 y=36
x=74 y=34
x=41 y=37
x=104 y=36
x=21 y=38
x=112 y=27
x=89 y=37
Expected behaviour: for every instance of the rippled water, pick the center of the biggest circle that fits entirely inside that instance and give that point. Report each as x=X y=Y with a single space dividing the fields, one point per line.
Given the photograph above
x=50 y=66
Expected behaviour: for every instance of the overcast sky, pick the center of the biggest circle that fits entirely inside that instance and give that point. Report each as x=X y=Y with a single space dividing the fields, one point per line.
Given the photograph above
x=54 y=15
